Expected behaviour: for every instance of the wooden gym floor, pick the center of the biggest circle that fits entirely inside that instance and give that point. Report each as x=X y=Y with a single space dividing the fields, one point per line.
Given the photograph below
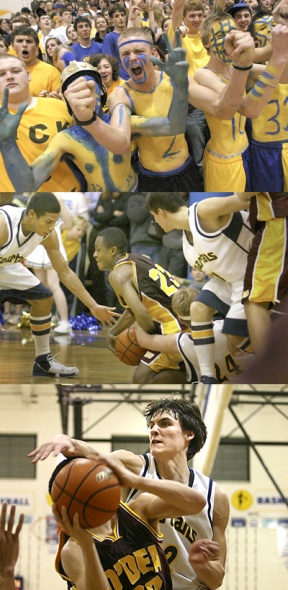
x=88 y=352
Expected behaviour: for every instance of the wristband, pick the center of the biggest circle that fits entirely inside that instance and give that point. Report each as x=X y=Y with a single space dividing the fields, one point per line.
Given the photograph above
x=85 y=123
x=242 y=68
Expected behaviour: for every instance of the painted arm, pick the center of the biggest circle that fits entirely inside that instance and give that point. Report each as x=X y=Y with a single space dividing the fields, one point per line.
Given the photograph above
x=9 y=546
x=23 y=177
x=276 y=71
x=176 y=67
x=83 y=100
x=213 y=96
x=73 y=283
x=208 y=557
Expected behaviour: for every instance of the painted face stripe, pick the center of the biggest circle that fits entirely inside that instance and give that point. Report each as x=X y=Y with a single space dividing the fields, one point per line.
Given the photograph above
x=139 y=40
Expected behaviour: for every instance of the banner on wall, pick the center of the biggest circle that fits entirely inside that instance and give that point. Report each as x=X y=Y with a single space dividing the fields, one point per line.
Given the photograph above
x=25 y=502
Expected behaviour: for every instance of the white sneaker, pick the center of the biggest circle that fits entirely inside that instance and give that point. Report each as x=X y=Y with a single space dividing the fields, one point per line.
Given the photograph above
x=63 y=328
x=51 y=368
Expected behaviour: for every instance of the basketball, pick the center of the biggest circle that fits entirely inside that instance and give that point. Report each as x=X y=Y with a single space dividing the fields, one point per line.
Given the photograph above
x=89 y=487
x=127 y=348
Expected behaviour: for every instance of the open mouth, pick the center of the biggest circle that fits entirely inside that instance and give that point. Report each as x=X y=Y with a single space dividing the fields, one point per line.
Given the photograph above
x=25 y=52
x=137 y=70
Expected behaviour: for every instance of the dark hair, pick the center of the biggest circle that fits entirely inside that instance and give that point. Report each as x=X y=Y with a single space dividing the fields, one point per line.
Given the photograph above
x=95 y=59
x=81 y=19
x=189 y=416
x=171 y=202
x=57 y=470
x=25 y=32
x=42 y=203
x=116 y=8
x=4 y=41
x=112 y=236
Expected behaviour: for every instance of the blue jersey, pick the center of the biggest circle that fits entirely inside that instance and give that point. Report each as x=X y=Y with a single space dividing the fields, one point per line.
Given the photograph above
x=110 y=46
x=83 y=52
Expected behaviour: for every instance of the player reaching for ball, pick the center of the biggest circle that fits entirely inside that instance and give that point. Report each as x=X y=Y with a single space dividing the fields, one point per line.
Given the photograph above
x=227 y=365
x=145 y=289
x=177 y=433
x=125 y=552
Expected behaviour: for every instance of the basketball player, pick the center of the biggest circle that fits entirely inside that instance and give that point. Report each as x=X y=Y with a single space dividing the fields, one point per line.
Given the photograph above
x=216 y=240
x=145 y=289
x=21 y=230
x=269 y=257
x=226 y=365
x=177 y=432
x=125 y=552
x=9 y=546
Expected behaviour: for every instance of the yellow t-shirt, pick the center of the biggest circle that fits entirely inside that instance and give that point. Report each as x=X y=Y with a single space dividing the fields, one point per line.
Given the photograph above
x=196 y=54
x=43 y=77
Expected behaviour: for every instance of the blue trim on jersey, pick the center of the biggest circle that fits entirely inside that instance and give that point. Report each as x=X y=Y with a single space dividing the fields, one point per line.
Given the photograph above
x=10 y=226
x=233 y=231
x=209 y=503
x=200 y=231
x=191 y=477
x=209 y=298
x=191 y=374
x=18 y=231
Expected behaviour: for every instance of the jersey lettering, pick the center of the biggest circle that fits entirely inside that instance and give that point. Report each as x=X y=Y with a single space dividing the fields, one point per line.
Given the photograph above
x=37 y=132
x=180 y=525
x=11 y=259
x=203 y=258
x=165 y=277
x=134 y=567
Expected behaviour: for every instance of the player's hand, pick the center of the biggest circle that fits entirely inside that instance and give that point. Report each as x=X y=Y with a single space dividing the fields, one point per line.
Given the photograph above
x=202 y=551
x=72 y=529
x=9 y=123
x=125 y=476
x=280 y=12
x=9 y=540
x=176 y=66
x=81 y=96
x=60 y=443
x=240 y=47
x=106 y=315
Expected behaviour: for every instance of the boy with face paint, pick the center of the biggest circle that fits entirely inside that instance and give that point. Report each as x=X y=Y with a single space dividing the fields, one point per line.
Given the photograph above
x=103 y=170
x=226 y=157
x=158 y=97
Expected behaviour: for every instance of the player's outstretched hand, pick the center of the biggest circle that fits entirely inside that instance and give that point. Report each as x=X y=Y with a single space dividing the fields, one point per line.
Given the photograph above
x=176 y=66
x=9 y=540
x=9 y=123
x=60 y=443
x=106 y=315
x=202 y=551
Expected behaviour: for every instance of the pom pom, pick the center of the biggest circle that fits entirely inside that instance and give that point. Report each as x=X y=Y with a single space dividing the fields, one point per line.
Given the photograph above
x=84 y=322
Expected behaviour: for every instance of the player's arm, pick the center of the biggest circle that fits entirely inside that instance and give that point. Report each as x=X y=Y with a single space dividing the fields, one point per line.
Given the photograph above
x=79 y=555
x=176 y=67
x=73 y=283
x=9 y=546
x=214 y=212
x=121 y=280
x=208 y=557
x=157 y=342
x=264 y=79
x=84 y=102
x=174 y=498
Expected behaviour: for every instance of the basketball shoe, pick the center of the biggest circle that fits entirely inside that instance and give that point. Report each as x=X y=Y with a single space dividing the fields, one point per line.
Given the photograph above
x=49 y=367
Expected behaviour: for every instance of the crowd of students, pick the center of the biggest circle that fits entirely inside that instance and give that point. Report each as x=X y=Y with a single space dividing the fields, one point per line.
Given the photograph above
x=215 y=130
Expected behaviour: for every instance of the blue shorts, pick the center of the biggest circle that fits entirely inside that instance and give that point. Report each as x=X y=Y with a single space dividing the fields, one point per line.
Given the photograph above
x=16 y=296
x=266 y=168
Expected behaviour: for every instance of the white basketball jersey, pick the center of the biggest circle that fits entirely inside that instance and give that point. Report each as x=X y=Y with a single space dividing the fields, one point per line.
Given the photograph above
x=222 y=253
x=179 y=533
x=15 y=250
x=226 y=364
